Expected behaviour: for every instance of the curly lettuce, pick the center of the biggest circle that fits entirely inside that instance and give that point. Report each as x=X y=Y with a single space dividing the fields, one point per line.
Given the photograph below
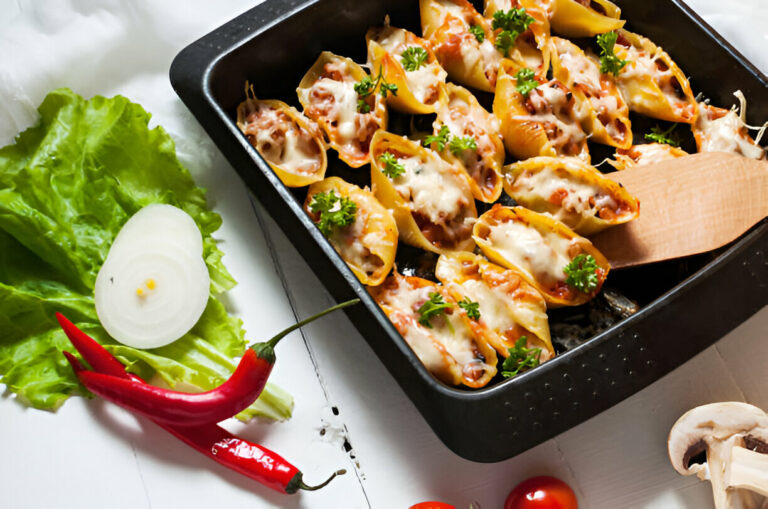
x=67 y=186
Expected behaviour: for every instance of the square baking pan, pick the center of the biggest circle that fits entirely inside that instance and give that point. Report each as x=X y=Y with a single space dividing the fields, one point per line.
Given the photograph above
x=684 y=305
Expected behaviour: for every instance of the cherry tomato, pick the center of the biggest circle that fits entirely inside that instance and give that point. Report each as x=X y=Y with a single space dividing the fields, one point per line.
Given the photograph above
x=432 y=505
x=542 y=492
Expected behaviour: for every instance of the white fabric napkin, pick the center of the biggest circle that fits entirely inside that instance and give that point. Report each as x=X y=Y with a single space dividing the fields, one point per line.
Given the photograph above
x=105 y=47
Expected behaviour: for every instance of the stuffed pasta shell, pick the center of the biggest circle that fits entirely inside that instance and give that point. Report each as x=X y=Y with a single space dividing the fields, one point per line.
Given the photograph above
x=606 y=118
x=349 y=119
x=429 y=198
x=642 y=155
x=651 y=83
x=585 y=18
x=367 y=241
x=720 y=130
x=292 y=144
x=566 y=268
x=546 y=121
x=462 y=41
x=451 y=346
x=528 y=22
x=508 y=306
x=570 y=191
x=467 y=134
x=407 y=61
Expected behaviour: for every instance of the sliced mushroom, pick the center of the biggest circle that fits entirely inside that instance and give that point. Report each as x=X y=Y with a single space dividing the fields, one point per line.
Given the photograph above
x=735 y=438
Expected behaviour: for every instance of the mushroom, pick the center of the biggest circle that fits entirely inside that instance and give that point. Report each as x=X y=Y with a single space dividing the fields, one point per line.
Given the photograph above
x=735 y=438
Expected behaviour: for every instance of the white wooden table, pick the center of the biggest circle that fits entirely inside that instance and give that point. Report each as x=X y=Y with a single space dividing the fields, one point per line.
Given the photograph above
x=93 y=455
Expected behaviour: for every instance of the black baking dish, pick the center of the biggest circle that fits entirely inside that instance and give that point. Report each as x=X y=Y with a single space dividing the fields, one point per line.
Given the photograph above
x=686 y=305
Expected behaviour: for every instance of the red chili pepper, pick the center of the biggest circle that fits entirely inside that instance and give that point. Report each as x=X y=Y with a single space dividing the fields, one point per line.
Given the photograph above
x=247 y=458
x=189 y=409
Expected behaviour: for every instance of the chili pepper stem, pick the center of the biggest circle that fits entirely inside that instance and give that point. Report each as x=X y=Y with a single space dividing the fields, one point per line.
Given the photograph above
x=297 y=483
x=324 y=484
x=265 y=350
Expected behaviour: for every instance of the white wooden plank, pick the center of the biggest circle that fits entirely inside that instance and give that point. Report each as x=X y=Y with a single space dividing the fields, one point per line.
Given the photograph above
x=620 y=456
x=745 y=353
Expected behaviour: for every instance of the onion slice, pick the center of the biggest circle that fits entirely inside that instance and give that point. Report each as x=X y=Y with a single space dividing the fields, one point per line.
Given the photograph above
x=154 y=284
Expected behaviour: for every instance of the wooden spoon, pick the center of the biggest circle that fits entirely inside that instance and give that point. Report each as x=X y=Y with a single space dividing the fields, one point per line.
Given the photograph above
x=688 y=205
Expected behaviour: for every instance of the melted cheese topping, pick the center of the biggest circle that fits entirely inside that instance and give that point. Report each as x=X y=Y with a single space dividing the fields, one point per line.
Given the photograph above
x=282 y=141
x=457 y=21
x=355 y=242
x=541 y=255
x=583 y=198
x=725 y=134
x=649 y=153
x=642 y=66
x=585 y=73
x=462 y=119
x=553 y=107
x=344 y=108
x=423 y=345
x=430 y=189
x=448 y=329
x=393 y=41
x=493 y=306
x=583 y=70
x=423 y=81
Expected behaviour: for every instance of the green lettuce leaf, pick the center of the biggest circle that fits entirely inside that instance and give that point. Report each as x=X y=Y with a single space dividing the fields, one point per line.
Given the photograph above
x=67 y=186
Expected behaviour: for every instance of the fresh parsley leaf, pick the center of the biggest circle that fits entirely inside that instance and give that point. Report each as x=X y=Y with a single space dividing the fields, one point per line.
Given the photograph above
x=459 y=144
x=513 y=20
x=472 y=308
x=512 y=23
x=660 y=136
x=504 y=41
x=413 y=58
x=441 y=138
x=521 y=358
x=582 y=273
x=363 y=106
x=526 y=81
x=335 y=211
x=366 y=86
x=435 y=306
x=387 y=87
x=391 y=168
x=609 y=62
x=478 y=32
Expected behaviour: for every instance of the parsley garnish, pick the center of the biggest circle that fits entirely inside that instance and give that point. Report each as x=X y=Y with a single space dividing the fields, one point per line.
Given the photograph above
x=526 y=81
x=459 y=144
x=366 y=86
x=335 y=211
x=413 y=58
x=433 y=307
x=456 y=144
x=441 y=138
x=521 y=358
x=660 y=136
x=582 y=273
x=609 y=62
x=472 y=308
x=478 y=32
x=391 y=168
x=512 y=23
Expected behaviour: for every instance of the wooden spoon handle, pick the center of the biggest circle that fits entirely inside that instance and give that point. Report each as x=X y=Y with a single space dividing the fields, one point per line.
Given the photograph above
x=688 y=205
